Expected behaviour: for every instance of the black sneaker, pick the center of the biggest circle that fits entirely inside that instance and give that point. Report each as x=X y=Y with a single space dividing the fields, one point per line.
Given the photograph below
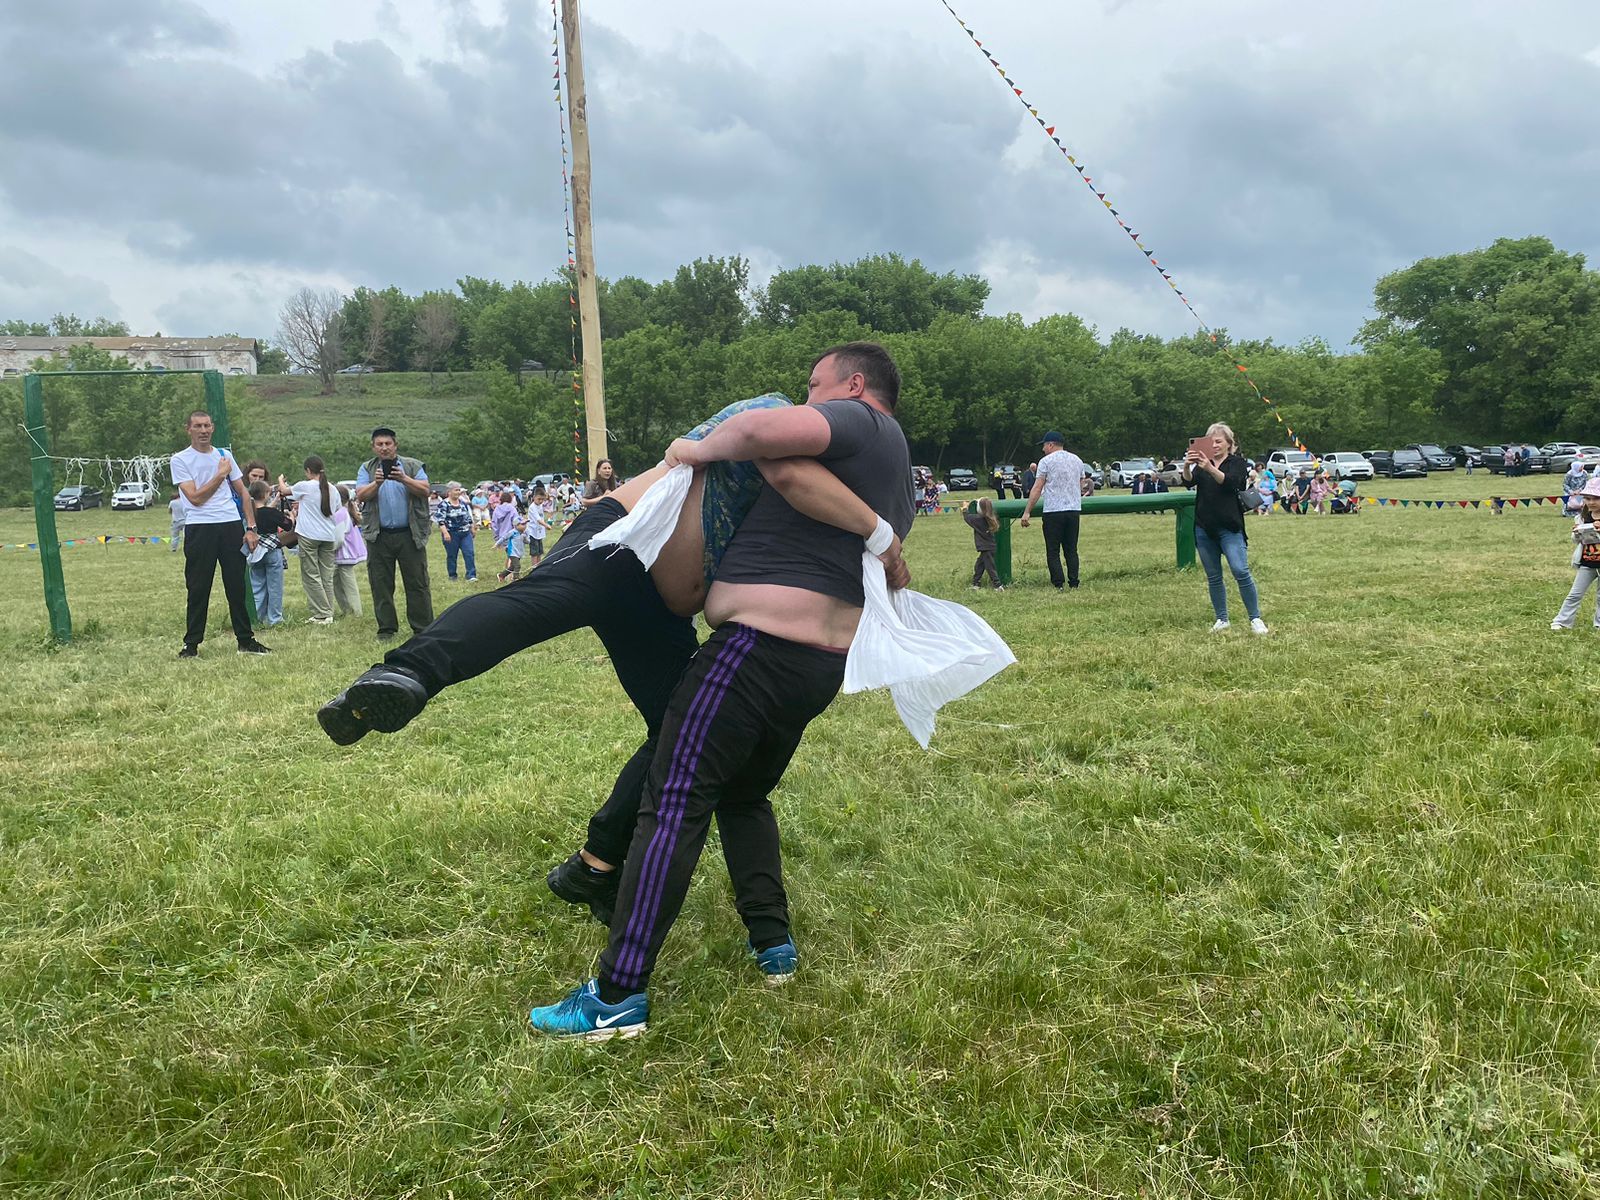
x=189 y=651
x=383 y=698
x=576 y=882
x=253 y=647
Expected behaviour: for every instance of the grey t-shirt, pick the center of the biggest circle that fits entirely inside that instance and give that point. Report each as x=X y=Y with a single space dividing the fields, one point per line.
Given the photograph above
x=776 y=544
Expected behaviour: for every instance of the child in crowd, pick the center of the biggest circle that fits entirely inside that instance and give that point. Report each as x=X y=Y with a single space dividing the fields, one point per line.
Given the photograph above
x=266 y=561
x=540 y=513
x=350 y=550
x=1586 y=558
x=1267 y=488
x=984 y=526
x=513 y=543
x=1321 y=489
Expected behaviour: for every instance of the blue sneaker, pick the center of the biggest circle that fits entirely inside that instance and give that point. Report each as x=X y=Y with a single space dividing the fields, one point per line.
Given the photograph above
x=584 y=1016
x=777 y=963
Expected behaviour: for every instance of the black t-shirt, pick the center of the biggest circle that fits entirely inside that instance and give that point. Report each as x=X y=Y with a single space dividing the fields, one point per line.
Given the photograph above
x=776 y=544
x=1216 y=505
x=270 y=520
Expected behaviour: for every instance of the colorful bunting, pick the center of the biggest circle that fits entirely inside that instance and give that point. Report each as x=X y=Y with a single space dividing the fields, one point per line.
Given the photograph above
x=1050 y=132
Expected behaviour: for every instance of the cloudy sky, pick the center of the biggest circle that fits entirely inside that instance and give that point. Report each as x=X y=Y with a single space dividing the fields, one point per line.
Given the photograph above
x=185 y=164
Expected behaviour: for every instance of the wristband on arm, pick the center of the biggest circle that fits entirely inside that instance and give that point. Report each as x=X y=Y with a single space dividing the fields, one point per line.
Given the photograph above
x=881 y=538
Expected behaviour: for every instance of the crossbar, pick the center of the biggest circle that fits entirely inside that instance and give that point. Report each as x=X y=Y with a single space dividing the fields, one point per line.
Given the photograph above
x=1180 y=504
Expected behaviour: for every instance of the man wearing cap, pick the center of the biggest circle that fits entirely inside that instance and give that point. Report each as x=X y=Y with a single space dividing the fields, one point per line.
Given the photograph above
x=1062 y=483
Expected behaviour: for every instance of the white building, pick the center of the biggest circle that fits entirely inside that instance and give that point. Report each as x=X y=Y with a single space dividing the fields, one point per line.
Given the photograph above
x=231 y=356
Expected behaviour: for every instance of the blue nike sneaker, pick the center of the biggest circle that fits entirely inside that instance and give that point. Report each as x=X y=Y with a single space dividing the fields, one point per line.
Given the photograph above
x=584 y=1016
x=777 y=963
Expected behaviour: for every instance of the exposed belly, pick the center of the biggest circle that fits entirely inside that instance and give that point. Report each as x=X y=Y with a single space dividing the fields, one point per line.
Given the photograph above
x=786 y=612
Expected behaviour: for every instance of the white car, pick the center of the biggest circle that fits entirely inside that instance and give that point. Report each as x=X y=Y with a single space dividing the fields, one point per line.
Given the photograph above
x=133 y=494
x=1287 y=462
x=1122 y=474
x=1346 y=465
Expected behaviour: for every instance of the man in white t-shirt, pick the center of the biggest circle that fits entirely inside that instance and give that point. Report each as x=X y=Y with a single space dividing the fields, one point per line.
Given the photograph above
x=215 y=534
x=1062 y=484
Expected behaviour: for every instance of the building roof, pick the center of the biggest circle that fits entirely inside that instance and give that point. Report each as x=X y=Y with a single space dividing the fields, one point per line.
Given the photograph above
x=126 y=344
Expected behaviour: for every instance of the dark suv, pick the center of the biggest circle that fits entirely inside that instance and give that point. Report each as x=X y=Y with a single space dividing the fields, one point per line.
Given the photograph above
x=1396 y=463
x=1437 y=457
x=1494 y=457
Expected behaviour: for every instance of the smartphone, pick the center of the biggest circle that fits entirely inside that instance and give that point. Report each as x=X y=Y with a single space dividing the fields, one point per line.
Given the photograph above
x=1203 y=445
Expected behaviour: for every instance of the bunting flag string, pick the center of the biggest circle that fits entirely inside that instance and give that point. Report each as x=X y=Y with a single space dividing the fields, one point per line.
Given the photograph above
x=572 y=250
x=1105 y=201
x=99 y=539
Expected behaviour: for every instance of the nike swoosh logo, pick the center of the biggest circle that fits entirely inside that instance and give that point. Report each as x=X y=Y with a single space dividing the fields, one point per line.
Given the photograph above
x=607 y=1022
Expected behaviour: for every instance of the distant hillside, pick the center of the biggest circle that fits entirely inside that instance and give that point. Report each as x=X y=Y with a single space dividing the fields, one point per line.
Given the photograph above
x=285 y=419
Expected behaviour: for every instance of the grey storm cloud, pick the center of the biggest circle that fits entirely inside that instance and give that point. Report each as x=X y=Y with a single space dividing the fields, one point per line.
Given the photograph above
x=1276 y=184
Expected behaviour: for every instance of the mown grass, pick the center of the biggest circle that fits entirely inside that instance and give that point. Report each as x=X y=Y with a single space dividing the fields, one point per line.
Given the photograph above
x=1160 y=914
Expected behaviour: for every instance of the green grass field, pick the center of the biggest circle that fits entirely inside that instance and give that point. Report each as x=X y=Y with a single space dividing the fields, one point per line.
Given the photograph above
x=1160 y=914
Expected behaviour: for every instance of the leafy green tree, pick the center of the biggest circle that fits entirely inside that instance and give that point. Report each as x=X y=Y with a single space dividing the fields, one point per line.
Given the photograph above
x=1516 y=326
x=884 y=291
x=518 y=430
x=522 y=322
x=705 y=299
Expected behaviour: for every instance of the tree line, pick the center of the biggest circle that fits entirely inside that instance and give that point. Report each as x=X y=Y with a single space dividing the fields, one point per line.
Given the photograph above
x=1491 y=344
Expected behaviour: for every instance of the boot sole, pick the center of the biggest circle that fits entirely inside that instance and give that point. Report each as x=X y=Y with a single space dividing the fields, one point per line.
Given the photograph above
x=342 y=728
x=386 y=707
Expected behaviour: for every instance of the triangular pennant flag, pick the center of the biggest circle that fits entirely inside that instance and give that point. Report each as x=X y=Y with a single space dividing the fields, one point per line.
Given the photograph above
x=1405 y=504
x=1051 y=130
x=1477 y=503
x=1462 y=503
x=1512 y=502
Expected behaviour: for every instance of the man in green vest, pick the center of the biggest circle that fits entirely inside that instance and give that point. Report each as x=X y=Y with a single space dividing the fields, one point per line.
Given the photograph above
x=393 y=492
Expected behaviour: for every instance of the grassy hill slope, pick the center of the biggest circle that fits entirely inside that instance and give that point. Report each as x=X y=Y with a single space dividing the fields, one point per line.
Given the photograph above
x=284 y=419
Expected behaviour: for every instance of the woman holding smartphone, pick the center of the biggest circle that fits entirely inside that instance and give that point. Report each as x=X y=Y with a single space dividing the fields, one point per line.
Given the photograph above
x=1218 y=472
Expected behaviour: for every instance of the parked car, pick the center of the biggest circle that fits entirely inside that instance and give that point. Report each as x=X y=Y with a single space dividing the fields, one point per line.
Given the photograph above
x=78 y=498
x=551 y=480
x=1172 y=475
x=1123 y=473
x=1554 y=449
x=1466 y=454
x=1494 y=457
x=357 y=369
x=1586 y=455
x=1286 y=461
x=135 y=493
x=1398 y=464
x=960 y=479
x=1344 y=464
x=1437 y=457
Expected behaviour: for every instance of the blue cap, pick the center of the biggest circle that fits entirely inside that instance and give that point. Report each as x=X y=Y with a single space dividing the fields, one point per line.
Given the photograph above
x=1053 y=436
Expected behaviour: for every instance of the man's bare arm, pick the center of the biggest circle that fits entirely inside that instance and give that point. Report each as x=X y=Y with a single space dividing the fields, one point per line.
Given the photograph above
x=760 y=433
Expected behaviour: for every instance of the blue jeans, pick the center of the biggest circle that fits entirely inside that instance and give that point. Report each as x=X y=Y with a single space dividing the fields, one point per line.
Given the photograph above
x=460 y=544
x=1212 y=550
x=266 y=583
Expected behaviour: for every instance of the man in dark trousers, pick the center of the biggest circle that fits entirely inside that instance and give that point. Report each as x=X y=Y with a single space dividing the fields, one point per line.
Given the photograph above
x=216 y=532
x=785 y=605
x=393 y=492
x=1062 y=484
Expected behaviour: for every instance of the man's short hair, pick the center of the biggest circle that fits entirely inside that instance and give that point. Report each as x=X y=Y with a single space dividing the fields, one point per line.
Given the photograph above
x=874 y=364
x=383 y=431
x=199 y=412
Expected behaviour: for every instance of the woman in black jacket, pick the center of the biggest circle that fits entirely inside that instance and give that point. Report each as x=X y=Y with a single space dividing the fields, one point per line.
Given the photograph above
x=1219 y=474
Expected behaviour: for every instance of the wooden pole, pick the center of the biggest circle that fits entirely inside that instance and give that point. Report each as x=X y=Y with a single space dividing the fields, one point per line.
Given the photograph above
x=594 y=390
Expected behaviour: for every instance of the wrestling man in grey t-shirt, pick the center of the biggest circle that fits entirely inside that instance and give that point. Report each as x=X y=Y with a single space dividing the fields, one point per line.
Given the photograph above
x=785 y=606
